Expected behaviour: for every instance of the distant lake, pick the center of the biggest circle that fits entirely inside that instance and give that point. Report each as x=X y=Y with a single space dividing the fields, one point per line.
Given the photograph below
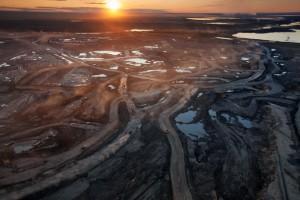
x=291 y=37
x=211 y=18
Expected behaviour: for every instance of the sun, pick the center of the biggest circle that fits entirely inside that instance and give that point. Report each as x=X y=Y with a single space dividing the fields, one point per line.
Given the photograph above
x=113 y=5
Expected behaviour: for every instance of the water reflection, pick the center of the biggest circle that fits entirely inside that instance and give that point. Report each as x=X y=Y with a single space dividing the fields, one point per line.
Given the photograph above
x=186 y=117
x=192 y=131
x=184 y=122
x=292 y=37
x=236 y=120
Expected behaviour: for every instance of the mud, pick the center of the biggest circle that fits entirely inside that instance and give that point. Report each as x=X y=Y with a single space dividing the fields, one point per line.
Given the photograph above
x=196 y=117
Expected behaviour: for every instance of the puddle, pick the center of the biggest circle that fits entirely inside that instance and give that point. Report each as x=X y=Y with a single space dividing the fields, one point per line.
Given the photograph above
x=264 y=28
x=112 y=87
x=82 y=55
x=245 y=59
x=93 y=55
x=202 y=18
x=99 y=76
x=114 y=67
x=137 y=62
x=184 y=69
x=236 y=119
x=76 y=77
x=4 y=65
x=141 y=30
x=290 y=24
x=179 y=82
x=229 y=91
x=268 y=18
x=200 y=95
x=158 y=62
x=291 y=37
x=24 y=146
x=281 y=74
x=211 y=18
x=245 y=122
x=154 y=70
x=186 y=117
x=191 y=130
x=96 y=33
x=18 y=57
x=113 y=53
x=212 y=114
x=85 y=57
x=220 y=23
x=64 y=59
x=91 y=59
x=68 y=40
x=151 y=47
x=137 y=53
x=224 y=38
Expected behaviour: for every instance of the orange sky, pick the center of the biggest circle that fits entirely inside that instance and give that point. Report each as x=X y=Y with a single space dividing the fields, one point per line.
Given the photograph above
x=170 y=5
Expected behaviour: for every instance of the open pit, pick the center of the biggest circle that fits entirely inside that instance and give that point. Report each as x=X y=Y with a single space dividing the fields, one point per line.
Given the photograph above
x=149 y=113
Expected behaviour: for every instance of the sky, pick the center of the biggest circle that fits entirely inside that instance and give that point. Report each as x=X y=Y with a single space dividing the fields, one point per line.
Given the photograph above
x=231 y=6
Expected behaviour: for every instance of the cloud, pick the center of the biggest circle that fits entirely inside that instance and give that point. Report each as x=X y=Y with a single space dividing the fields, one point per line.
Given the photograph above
x=96 y=3
x=54 y=9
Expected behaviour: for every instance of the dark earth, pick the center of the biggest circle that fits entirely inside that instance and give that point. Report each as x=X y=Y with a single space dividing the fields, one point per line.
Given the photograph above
x=145 y=109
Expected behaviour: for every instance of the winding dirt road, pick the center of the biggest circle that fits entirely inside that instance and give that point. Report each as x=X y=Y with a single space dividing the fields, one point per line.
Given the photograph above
x=180 y=188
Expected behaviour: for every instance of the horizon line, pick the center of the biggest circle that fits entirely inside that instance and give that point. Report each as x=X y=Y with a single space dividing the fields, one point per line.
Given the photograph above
x=90 y=10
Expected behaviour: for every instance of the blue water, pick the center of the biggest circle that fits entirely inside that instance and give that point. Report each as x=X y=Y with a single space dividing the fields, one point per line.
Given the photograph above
x=232 y=119
x=185 y=125
x=192 y=131
x=186 y=117
x=212 y=114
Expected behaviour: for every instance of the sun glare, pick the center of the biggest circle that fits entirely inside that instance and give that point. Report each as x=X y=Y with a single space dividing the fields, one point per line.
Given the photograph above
x=113 y=5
